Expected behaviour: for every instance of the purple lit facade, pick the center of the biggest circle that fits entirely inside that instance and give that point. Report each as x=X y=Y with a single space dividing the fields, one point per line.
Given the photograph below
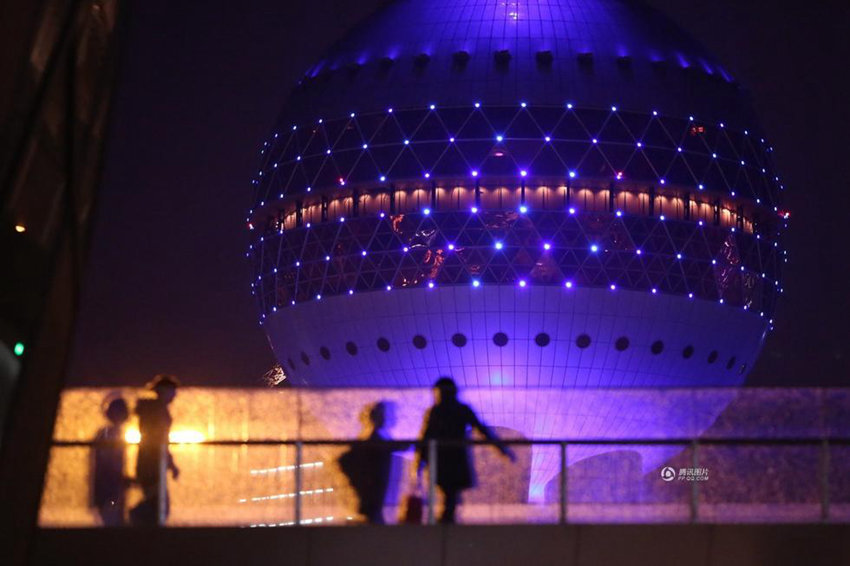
x=541 y=194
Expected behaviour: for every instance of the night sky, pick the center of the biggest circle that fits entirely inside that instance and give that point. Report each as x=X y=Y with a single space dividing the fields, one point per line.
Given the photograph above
x=167 y=287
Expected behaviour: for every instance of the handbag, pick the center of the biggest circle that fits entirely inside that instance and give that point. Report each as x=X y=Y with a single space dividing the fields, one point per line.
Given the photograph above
x=414 y=505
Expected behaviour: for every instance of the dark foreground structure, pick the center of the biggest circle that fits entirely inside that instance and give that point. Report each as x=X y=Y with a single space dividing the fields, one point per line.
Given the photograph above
x=576 y=545
x=58 y=66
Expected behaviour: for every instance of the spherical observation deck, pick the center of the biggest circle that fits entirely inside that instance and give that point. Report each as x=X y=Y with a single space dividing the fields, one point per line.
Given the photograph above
x=580 y=174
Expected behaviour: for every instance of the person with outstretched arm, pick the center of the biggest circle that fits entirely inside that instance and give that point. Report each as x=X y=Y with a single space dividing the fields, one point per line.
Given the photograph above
x=450 y=420
x=154 y=456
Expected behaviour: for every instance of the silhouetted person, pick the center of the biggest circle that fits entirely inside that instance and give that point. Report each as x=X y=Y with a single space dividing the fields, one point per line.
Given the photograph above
x=368 y=467
x=154 y=426
x=109 y=484
x=450 y=420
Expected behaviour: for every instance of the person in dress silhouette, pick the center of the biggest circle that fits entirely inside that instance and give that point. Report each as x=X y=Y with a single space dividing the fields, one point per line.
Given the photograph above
x=450 y=420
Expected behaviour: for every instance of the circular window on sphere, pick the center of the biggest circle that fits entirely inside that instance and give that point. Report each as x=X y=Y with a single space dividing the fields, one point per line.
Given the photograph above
x=500 y=339
x=621 y=344
x=420 y=342
x=325 y=353
x=383 y=344
x=583 y=341
x=542 y=339
x=712 y=357
x=657 y=347
x=731 y=363
x=459 y=340
x=291 y=364
x=688 y=351
x=742 y=369
x=305 y=358
x=351 y=348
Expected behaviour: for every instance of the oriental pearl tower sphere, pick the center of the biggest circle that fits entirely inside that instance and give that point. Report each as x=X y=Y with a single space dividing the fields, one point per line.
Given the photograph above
x=541 y=194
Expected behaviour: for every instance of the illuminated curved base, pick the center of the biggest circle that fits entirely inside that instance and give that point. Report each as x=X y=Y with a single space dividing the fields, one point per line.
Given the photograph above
x=335 y=342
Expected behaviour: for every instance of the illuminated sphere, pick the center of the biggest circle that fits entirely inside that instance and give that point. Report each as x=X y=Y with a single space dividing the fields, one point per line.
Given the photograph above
x=538 y=194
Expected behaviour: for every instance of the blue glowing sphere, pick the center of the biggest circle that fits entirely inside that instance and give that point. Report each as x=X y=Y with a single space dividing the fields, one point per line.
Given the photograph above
x=535 y=194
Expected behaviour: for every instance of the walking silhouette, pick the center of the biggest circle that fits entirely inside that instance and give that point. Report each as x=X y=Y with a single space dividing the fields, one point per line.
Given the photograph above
x=368 y=467
x=109 y=484
x=154 y=455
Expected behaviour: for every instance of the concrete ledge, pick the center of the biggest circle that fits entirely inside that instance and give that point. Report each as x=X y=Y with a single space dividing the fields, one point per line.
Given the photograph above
x=460 y=545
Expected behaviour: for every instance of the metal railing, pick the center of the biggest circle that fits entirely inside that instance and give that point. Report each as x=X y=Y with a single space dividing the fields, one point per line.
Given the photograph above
x=431 y=448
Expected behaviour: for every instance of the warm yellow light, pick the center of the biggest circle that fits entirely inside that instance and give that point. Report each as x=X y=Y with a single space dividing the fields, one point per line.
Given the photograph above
x=186 y=436
x=133 y=436
x=20 y=228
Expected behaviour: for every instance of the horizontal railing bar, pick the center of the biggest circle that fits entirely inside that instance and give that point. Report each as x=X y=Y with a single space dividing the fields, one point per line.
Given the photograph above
x=405 y=443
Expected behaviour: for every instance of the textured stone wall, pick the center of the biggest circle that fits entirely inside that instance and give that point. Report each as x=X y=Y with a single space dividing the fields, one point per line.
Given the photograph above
x=253 y=485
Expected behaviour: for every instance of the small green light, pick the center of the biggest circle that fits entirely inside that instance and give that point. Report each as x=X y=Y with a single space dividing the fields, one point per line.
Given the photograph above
x=19 y=349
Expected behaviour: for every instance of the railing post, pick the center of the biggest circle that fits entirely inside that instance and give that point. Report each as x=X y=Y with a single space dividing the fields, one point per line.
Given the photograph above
x=695 y=483
x=162 y=487
x=824 y=480
x=564 y=485
x=298 y=448
x=432 y=478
